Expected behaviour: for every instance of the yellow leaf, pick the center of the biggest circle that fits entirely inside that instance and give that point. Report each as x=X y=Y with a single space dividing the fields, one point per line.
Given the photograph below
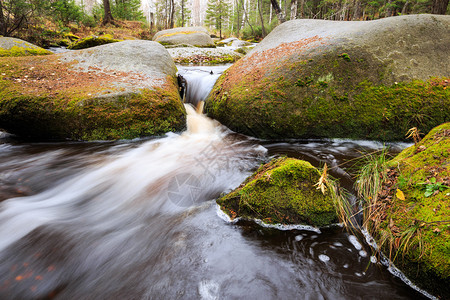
x=400 y=194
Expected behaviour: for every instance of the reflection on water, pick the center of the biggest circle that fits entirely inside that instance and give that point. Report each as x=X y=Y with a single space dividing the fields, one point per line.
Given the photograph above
x=136 y=220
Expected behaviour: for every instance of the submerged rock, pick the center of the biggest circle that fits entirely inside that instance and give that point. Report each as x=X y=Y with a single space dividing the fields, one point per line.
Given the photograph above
x=115 y=91
x=92 y=41
x=17 y=47
x=195 y=36
x=318 y=78
x=410 y=218
x=282 y=191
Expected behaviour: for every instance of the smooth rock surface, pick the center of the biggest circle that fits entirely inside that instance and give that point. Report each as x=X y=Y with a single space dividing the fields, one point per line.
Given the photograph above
x=121 y=90
x=361 y=79
x=195 y=36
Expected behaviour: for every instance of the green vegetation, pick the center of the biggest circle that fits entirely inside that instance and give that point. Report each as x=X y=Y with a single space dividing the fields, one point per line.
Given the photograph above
x=407 y=209
x=284 y=191
x=92 y=41
x=23 y=51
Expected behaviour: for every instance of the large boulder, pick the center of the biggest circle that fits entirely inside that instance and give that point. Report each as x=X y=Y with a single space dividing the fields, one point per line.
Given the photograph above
x=409 y=218
x=17 y=47
x=121 y=90
x=195 y=36
x=362 y=79
x=282 y=191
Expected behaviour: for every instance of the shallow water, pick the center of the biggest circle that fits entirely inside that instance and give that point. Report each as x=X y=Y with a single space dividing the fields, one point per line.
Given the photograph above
x=137 y=220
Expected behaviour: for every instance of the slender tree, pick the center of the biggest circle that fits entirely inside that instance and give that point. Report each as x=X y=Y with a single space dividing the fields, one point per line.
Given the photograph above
x=439 y=7
x=2 y=20
x=108 y=18
x=277 y=9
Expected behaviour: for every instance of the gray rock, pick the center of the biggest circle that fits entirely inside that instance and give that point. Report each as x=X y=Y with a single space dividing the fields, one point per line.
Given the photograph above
x=197 y=36
x=17 y=47
x=122 y=90
x=239 y=43
x=318 y=78
x=412 y=46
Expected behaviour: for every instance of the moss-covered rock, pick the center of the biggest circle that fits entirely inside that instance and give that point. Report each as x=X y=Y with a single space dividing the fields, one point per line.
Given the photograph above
x=282 y=191
x=203 y=56
x=196 y=36
x=92 y=41
x=16 y=47
x=412 y=214
x=115 y=91
x=317 y=78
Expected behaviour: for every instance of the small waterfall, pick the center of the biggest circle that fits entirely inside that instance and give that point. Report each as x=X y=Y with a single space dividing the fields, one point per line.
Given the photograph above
x=199 y=81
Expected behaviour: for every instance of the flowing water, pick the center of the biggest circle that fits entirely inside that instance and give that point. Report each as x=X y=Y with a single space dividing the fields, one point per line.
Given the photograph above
x=137 y=220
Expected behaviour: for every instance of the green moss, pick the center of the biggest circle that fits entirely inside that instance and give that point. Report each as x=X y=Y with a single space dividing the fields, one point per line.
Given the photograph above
x=282 y=191
x=426 y=258
x=23 y=51
x=92 y=41
x=345 y=56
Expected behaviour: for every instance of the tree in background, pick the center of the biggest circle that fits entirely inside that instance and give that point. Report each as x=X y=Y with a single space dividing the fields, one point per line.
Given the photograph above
x=107 y=17
x=183 y=14
x=127 y=10
x=217 y=14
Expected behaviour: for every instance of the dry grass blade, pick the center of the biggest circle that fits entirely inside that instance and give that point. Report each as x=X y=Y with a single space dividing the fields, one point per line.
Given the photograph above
x=321 y=184
x=414 y=133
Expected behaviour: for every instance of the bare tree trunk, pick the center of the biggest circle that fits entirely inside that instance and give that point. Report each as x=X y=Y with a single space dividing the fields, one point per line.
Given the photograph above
x=270 y=15
x=388 y=9
x=277 y=9
x=302 y=8
x=108 y=18
x=357 y=10
x=294 y=7
x=246 y=18
x=261 y=18
x=152 y=20
x=2 y=20
x=172 y=13
x=439 y=7
x=238 y=18
x=182 y=13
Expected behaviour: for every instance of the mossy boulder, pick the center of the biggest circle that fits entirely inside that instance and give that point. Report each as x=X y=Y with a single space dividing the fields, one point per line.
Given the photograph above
x=412 y=219
x=203 y=56
x=116 y=91
x=17 y=47
x=92 y=41
x=282 y=191
x=196 y=36
x=361 y=79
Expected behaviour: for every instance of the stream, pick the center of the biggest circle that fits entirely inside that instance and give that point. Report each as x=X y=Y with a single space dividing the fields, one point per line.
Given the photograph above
x=137 y=219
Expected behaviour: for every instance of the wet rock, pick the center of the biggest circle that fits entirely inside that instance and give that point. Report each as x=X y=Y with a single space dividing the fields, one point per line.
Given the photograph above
x=17 y=47
x=282 y=191
x=195 y=36
x=318 y=78
x=115 y=91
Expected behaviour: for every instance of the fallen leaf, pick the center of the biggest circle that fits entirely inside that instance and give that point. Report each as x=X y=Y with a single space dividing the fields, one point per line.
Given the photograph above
x=400 y=194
